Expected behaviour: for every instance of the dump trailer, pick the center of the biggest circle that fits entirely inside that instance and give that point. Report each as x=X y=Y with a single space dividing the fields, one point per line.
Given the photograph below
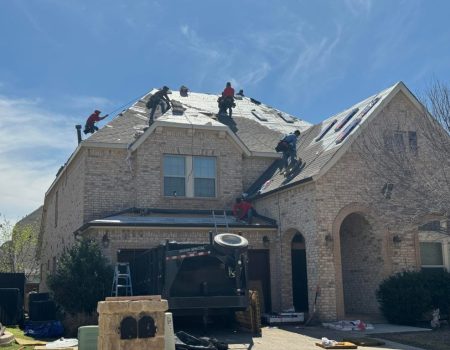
x=196 y=278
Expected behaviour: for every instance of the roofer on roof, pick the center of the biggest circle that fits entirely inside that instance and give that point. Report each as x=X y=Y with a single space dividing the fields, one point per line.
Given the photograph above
x=226 y=101
x=90 y=126
x=159 y=98
x=288 y=145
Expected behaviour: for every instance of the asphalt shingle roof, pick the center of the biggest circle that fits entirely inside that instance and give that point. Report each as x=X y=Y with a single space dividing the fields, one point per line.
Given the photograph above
x=316 y=154
x=259 y=127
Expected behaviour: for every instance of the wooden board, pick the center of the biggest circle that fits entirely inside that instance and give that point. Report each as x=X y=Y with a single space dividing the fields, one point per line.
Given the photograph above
x=365 y=341
x=339 y=345
x=43 y=347
x=21 y=341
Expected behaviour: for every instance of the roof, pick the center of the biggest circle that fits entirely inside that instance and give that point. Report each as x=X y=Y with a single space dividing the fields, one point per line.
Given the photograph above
x=256 y=125
x=319 y=152
x=136 y=217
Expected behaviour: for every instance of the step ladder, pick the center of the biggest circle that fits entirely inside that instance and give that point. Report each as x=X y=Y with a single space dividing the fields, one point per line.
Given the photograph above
x=122 y=280
x=220 y=216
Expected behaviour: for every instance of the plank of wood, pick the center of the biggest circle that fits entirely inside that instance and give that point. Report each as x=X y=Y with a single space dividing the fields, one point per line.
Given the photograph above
x=339 y=345
x=21 y=341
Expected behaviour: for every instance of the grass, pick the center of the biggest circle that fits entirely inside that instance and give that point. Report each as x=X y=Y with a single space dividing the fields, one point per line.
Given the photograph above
x=17 y=332
x=433 y=340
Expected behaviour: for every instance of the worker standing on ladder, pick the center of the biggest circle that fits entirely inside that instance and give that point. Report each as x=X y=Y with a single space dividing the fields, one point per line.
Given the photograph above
x=159 y=98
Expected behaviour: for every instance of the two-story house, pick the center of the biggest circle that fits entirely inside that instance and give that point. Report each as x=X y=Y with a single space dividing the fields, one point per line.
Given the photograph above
x=330 y=225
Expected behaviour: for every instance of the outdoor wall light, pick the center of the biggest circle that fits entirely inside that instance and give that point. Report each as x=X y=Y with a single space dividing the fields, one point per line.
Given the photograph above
x=105 y=240
x=266 y=241
x=396 y=239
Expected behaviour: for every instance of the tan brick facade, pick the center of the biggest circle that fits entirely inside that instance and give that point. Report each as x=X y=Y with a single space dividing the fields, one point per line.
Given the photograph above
x=347 y=225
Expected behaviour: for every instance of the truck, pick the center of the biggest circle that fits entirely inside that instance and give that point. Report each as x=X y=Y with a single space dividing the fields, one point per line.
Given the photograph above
x=196 y=279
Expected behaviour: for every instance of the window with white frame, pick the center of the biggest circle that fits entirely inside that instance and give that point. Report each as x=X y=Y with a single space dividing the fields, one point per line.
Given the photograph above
x=174 y=176
x=432 y=255
x=189 y=176
x=204 y=176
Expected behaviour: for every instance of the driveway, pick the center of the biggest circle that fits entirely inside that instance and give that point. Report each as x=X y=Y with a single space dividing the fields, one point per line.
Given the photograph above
x=295 y=338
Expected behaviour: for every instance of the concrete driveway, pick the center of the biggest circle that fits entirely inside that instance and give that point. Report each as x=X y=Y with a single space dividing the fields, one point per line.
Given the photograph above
x=296 y=338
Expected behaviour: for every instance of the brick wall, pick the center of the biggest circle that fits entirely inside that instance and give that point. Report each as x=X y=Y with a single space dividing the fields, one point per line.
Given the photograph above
x=69 y=191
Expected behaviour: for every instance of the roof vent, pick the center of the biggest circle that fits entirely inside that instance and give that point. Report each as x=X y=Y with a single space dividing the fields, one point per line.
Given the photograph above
x=263 y=119
x=369 y=107
x=346 y=119
x=328 y=128
x=256 y=102
x=348 y=130
x=287 y=118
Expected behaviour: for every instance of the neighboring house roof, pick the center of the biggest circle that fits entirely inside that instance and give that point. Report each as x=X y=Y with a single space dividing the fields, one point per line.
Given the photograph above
x=135 y=217
x=319 y=155
x=255 y=124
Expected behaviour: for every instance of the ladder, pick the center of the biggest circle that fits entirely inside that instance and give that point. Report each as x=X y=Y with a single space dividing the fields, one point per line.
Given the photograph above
x=122 y=280
x=221 y=216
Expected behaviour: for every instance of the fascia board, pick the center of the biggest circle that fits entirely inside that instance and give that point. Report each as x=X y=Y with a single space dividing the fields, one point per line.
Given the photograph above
x=157 y=123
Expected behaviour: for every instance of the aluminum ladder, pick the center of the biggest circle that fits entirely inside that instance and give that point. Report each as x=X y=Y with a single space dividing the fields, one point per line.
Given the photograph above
x=222 y=216
x=122 y=280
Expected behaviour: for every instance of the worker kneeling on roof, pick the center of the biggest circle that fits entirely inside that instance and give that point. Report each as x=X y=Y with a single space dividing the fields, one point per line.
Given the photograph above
x=288 y=145
x=226 y=101
x=159 y=98
x=90 y=126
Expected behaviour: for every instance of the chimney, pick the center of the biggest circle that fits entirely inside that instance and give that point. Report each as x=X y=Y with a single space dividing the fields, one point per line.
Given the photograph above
x=78 y=127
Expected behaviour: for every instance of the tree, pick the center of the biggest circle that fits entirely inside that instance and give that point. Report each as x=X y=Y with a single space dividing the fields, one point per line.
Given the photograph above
x=83 y=277
x=410 y=156
x=18 y=252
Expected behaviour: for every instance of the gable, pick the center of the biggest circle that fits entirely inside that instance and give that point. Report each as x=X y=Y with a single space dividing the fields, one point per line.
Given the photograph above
x=321 y=146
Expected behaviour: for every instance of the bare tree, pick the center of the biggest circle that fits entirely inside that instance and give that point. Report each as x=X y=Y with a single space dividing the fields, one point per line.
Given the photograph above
x=409 y=155
x=18 y=251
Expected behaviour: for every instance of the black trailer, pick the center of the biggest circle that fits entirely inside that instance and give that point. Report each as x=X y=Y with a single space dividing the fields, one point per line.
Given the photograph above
x=196 y=279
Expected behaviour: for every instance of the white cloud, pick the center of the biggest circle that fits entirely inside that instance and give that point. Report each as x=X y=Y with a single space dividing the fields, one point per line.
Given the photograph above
x=194 y=43
x=359 y=7
x=33 y=144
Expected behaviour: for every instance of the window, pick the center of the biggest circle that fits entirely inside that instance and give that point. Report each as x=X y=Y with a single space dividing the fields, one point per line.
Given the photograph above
x=204 y=177
x=399 y=144
x=431 y=255
x=412 y=137
x=188 y=176
x=174 y=176
x=387 y=190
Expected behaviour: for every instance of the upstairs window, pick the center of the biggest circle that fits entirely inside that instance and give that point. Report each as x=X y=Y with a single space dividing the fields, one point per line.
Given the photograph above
x=188 y=176
x=399 y=143
x=412 y=137
x=204 y=177
x=174 y=176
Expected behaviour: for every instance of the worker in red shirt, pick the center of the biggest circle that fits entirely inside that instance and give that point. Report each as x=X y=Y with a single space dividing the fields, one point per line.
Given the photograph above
x=228 y=91
x=243 y=210
x=226 y=101
x=90 y=126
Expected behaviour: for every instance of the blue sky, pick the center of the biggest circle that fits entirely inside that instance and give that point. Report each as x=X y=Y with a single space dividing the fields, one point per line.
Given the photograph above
x=61 y=59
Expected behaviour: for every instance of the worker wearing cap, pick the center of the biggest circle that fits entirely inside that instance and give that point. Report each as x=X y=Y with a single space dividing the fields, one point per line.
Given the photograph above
x=159 y=98
x=90 y=126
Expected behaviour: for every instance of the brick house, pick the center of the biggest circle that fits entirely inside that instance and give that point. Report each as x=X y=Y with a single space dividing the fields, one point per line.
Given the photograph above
x=131 y=187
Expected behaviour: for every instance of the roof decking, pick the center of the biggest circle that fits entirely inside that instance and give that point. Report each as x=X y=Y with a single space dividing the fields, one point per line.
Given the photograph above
x=258 y=126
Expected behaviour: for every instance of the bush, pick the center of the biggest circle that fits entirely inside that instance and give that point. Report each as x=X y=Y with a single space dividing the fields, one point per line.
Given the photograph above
x=405 y=297
x=83 y=277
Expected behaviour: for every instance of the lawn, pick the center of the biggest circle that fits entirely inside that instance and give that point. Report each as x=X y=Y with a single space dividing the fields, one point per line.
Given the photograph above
x=433 y=340
x=17 y=333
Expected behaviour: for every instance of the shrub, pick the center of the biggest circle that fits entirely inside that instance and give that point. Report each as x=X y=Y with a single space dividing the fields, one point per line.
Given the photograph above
x=405 y=297
x=83 y=277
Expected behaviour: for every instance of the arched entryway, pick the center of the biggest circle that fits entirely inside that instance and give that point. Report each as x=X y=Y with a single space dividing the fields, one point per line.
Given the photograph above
x=362 y=264
x=299 y=273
